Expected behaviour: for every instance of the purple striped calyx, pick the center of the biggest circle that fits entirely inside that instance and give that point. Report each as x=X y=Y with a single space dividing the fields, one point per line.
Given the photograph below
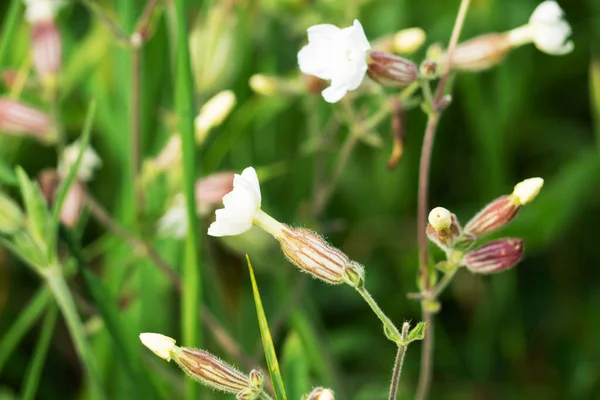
x=496 y=256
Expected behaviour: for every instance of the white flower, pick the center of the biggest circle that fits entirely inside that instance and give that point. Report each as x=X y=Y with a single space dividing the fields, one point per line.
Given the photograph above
x=41 y=10
x=527 y=190
x=161 y=345
x=174 y=222
x=440 y=218
x=550 y=31
x=89 y=161
x=335 y=54
x=213 y=113
x=242 y=204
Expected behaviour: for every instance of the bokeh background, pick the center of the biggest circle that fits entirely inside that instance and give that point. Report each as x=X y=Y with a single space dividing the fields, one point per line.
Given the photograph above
x=531 y=332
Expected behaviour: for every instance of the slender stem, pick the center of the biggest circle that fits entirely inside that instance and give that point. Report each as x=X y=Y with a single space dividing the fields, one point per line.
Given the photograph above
x=390 y=330
x=399 y=362
x=442 y=284
x=32 y=379
x=64 y=299
x=136 y=134
x=432 y=122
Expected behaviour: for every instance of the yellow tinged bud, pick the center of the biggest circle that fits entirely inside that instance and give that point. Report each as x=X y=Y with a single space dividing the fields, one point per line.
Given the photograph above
x=161 y=345
x=409 y=40
x=440 y=218
x=527 y=190
x=264 y=85
x=213 y=113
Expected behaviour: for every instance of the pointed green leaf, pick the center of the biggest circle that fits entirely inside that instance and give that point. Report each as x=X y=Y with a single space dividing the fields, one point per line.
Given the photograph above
x=267 y=340
x=417 y=333
x=35 y=206
x=295 y=366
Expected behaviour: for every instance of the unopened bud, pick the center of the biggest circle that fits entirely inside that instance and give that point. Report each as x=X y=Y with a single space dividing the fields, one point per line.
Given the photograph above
x=213 y=113
x=257 y=379
x=494 y=216
x=211 y=189
x=11 y=216
x=320 y=394
x=429 y=69
x=495 y=256
x=47 y=50
x=264 y=85
x=443 y=228
x=480 y=53
x=161 y=345
x=409 y=40
x=20 y=119
x=527 y=190
x=309 y=252
x=390 y=70
x=354 y=274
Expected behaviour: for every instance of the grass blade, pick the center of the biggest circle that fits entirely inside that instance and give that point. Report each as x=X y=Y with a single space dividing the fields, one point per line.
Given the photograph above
x=267 y=340
x=32 y=379
x=23 y=324
x=9 y=27
x=295 y=366
x=192 y=288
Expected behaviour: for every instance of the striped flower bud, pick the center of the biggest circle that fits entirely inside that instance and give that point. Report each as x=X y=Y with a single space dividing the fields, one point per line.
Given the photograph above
x=320 y=394
x=495 y=256
x=20 y=119
x=480 y=53
x=390 y=70
x=309 y=252
x=205 y=367
x=494 y=216
x=443 y=228
x=47 y=50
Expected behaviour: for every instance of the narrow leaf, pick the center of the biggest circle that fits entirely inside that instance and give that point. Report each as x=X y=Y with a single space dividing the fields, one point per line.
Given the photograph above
x=35 y=206
x=267 y=340
x=417 y=333
x=295 y=366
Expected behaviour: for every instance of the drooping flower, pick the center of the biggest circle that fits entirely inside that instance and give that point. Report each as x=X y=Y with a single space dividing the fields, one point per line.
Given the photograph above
x=20 y=119
x=338 y=55
x=90 y=161
x=547 y=29
x=241 y=206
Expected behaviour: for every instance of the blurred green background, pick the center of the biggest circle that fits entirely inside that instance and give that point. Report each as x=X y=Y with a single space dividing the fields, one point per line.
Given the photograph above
x=531 y=332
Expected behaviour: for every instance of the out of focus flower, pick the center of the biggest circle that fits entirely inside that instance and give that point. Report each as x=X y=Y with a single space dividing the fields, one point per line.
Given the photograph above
x=547 y=29
x=390 y=70
x=320 y=394
x=242 y=205
x=495 y=256
x=527 y=190
x=338 y=55
x=409 y=40
x=90 y=161
x=480 y=53
x=211 y=189
x=20 y=119
x=213 y=113
x=174 y=222
x=41 y=10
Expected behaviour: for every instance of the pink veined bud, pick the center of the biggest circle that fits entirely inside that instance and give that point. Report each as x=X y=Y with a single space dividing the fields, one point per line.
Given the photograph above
x=480 y=53
x=390 y=70
x=211 y=189
x=495 y=256
x=309 y=252
x=20 y=119
x=494 y=216
x=320 y=394
x=47 y=49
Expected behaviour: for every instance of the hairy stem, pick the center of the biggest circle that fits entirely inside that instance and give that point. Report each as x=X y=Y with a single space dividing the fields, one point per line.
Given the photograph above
x=390 y=330
x=432 y=123
x=399 y=362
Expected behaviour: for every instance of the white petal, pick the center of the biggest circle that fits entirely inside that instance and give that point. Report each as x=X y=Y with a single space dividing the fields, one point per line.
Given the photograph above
x=547 y=12
x=333 y=94
x=249 y=174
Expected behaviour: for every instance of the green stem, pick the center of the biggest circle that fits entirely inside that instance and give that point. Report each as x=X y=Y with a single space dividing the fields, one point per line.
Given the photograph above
x=399 y=362
x=32 y=379
x=390 y=330
x=64 y=299
x=442 y=284
x=192 y=282
x=9 y=28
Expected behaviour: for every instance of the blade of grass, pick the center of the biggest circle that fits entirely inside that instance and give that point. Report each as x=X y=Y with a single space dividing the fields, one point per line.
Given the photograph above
x=25 y=320
x=65 y=185
x=9 y=27
x=296 y=367
x=267 y=340
x=32 y=379
x=192 y=289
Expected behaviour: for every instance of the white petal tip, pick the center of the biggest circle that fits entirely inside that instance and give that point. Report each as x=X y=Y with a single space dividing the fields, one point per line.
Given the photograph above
x=161 y=345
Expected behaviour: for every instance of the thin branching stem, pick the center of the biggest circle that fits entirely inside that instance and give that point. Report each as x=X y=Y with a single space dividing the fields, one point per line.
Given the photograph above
x=399 y=362
x=432 y=123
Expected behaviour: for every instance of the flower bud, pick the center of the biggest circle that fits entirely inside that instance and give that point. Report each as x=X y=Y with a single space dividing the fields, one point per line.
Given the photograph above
x=257 y=379
x=448 y=234
x=47 y=50
x=213 y=113
x=495 y=256
x=18 y=119
x=161 y=345
x=390 y=70
x=494 y=216
x=527 y=190
x=11 y=216
x=409 y=40
x=320 y=394
x=309 y=252
x=480 y=53
x=264 y=85
x=429 y=69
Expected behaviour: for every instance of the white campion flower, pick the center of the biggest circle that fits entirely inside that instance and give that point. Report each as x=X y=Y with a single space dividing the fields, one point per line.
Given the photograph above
x=242 y=206
x=547 y=30
x=41 y=10
x=89 y=161
x=336 y=54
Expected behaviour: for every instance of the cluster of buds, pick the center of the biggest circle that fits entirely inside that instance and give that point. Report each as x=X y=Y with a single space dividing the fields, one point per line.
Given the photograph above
x=304 y=248
x=20 y=119
x=45 y=38
x=546 y=29
x=445 y=231
x=206 y=368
